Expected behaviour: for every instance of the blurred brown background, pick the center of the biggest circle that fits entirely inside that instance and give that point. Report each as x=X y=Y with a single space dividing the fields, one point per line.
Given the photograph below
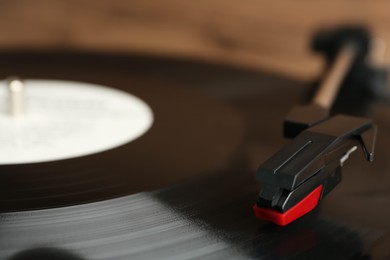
x=266 y=35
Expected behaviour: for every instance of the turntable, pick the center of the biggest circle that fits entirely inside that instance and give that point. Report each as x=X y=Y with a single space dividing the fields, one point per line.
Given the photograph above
x=119 y=157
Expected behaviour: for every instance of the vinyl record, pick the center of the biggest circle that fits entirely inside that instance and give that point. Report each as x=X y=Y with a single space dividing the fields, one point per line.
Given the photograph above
x=191 y=134
x=185 y=188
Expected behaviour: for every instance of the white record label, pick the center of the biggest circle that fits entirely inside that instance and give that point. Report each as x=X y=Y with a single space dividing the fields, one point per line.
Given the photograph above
x=64 y=119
